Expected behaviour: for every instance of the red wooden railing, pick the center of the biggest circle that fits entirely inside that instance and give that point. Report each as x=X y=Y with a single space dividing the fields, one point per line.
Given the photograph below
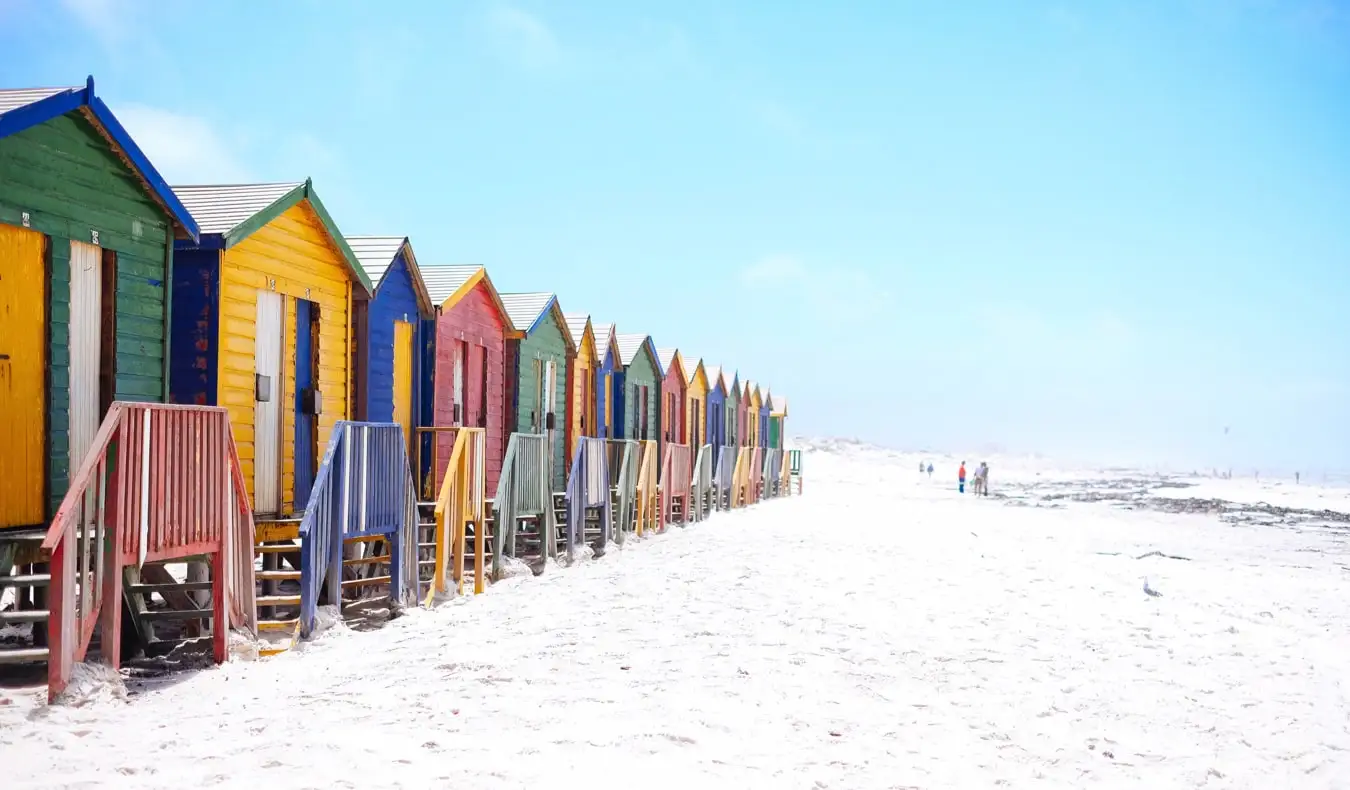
x=676 y=476
x=160 y=482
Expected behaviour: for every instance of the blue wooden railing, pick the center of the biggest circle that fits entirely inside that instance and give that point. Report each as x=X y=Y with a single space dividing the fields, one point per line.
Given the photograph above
x=363 y=489
x=588 y=487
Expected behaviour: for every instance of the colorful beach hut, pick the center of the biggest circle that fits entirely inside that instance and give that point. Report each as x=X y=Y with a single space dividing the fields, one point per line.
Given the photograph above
x=537 y=360
x=637 y=388
x=87 y=228
x=674 y=385
x=754 y=401
x=608 y=372
x=696 y=398
x=390 y=361
x=581 y=399
x=716 y=409
x=262 y=324
x=468 y=387
x=735 y=430
x=778 y=422
x=765 y=410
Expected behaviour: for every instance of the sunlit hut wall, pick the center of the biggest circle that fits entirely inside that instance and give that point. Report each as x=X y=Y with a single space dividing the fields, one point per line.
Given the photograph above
x=733 y=410
x=716 y=408
x=765 y=409
x=696 y=403
x=389 y=333
x=278 y=279
x=468 y=385
x=778 y=421
x=673 y=387
x=754 y=400
x=537 y=371
x=581 y=400
x=640 y=380
x=608 y=374
x=86 y=233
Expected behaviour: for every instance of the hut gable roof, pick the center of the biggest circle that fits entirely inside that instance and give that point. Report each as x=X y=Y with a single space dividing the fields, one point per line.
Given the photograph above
x=24 y=108
x=527 y=311
x=604 y=341
x=579 y=326
x=230 y=213
x=693 y=372
x=447 y=285
x=668 y=357
x=632 y=345
x=376 y=254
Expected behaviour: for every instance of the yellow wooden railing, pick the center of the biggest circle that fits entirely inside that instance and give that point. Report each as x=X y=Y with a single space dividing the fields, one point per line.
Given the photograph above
x=648 y=494
x=460 y=503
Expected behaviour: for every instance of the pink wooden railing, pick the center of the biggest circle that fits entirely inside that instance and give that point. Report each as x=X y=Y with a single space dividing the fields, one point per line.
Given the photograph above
x=676 y=476
x=161 y=482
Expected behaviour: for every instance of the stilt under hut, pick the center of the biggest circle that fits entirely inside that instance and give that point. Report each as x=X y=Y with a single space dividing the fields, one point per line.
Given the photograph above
x=264 y=309
x=87 y=228
x=537 y=374
x=460 y=452
x=640 y=419
x=581 y=398
x=696 y=432
x=677 y=458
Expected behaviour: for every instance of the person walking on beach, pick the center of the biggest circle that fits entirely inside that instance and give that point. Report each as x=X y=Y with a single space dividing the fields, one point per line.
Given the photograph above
x=930 y=470
x=983 y=474
x=961 y=479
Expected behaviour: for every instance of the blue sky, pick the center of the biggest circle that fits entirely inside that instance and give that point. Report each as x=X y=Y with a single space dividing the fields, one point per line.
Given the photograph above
x=1096 y=230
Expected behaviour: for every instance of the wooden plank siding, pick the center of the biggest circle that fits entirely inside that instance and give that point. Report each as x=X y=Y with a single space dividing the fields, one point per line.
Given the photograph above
x=641 y=375
x=733 y=411
x=546 y=342
x=673 y=405
x=294 y=256
x=474 y=321
x=696 y=405
x=581 y=401
x=716 y=418
x=71 y=183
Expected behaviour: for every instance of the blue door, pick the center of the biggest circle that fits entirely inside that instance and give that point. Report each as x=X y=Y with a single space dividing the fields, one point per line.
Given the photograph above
x=306 y=400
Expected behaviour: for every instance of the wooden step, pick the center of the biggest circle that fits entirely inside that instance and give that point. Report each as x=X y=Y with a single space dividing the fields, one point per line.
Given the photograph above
x=25 y=616
x=277 y=530
x=26 y=580
x=274 y=576
x=286 y=549
x=365 y=560
x=279 y=625
x=176 y=614
x=24 y=655
x=278 y=600
x=147 y=589
x=372 y=581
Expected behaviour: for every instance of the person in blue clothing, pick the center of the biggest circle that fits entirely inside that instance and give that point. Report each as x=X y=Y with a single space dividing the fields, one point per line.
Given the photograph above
x=930 y=471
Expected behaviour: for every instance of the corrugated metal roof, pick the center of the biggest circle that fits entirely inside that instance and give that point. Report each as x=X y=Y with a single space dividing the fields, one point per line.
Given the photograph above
x=691 y=368
x=576 y=324
x=604 y=333
x=666 y=357
x=714 y=375
x=629 y=346
x=14 y=98
x=220 y=208
x=376 y=253
x=779 y=405
x=525 y=309
x=443 y=281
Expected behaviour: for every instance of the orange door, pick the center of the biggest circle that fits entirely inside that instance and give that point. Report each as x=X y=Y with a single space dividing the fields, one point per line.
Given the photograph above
x=23 y=401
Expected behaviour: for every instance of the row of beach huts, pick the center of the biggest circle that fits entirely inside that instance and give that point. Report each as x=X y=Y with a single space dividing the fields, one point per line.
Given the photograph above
x=219 y=413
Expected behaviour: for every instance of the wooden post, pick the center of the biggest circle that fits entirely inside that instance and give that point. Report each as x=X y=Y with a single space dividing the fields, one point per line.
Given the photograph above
x=220 y=623
x=61 y=636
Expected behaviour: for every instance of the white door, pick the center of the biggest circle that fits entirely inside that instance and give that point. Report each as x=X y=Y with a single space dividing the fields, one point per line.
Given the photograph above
x=267 y=404
x=86 y=312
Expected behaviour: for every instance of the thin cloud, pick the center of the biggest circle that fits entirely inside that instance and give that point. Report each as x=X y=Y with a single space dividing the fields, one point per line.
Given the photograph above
x=185 y=149
x=523 y=38
x=774 y=270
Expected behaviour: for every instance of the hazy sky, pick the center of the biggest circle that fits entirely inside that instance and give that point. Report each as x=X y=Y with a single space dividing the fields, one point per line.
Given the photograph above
x=1105 y=230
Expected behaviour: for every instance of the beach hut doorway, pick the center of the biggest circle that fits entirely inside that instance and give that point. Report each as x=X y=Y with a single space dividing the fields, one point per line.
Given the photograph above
x=23 y=402
x=306 y=395
x=267 y=404
x=403 y=378
x=86 y=347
